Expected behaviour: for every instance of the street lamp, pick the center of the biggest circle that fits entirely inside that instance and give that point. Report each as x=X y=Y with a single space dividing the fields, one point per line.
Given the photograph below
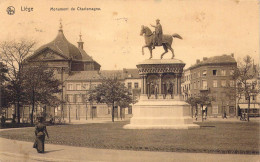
x=86 y=109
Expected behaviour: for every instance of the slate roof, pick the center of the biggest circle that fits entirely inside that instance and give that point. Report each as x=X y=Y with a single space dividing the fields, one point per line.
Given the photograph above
x=216 y=60
x=131 y=74
x=95 y=75
x=84 y=76
x=112 y=74
x=66 y=49
x=62 y=46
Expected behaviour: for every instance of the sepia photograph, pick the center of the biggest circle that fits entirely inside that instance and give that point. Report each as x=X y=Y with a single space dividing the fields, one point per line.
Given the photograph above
x=130 y=80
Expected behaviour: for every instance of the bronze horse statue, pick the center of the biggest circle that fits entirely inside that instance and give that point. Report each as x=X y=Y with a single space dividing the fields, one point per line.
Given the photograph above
x=166 y=41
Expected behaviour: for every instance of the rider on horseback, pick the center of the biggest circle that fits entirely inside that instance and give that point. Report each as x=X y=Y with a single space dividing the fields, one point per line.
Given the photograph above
x=158 y=34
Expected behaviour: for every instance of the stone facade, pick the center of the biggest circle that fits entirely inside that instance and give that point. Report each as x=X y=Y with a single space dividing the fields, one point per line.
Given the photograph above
x=78 y=72
x=212 y=76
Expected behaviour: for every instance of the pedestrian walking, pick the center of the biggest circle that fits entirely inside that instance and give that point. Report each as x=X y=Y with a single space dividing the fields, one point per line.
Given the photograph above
x=40 y=132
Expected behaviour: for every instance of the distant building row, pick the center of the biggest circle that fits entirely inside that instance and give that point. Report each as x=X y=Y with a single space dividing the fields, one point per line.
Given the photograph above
x=79 y=72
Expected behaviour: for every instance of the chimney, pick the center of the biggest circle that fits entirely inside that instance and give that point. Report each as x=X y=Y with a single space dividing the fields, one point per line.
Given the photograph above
x=205 y=58
x=80 y=42
x=198 y=61
x=232 y=54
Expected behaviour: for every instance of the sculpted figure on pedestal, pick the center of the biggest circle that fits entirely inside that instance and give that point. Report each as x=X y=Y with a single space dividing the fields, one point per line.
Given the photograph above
x=157 y=39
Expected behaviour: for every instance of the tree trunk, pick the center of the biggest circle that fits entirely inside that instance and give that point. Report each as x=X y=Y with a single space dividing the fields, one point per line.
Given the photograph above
x=113 y=112
x=23 y=114
x=33 y=104
x=248 y=108
x=32 y=113
x=192 y=111
x=18 y=112
x=196 y=109
x=121 y=113
x=202 y=113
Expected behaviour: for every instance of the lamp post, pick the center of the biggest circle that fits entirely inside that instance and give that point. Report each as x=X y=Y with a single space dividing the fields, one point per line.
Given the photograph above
x=91 y=109
x=86 y=109
x=69 y=113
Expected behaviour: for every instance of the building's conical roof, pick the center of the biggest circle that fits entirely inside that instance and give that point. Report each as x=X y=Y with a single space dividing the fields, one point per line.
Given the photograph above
x=62 y=46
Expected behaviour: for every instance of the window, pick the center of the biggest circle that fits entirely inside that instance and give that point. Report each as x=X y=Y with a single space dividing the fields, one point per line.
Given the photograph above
x=129 y=85
x=136 y=85
x=194 y=85
x=215 y=96
x=204 y=73
x=198 y=84
x=198 y=74
x=223 y=72
x=223 y=83
x=85 y=86
x=232 y=83
x=214 y=72
x=70 y=98
x=204 y=84
x=84 y=98
x=231 y=72
x=78 y=87
x=215 y=83
x=215 y=109
x=78 y=98
x=70 y=86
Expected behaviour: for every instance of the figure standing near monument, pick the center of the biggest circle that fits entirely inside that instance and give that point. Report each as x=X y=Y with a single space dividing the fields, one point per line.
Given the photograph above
x=158 y=34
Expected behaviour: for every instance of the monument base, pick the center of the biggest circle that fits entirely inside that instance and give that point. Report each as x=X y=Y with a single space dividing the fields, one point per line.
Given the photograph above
x=161 y=114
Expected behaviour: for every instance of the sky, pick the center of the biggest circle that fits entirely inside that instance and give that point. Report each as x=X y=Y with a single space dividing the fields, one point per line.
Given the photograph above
x=111 y=35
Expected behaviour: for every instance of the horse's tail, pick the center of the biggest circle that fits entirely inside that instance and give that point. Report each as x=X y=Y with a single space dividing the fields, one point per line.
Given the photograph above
x=175 y=35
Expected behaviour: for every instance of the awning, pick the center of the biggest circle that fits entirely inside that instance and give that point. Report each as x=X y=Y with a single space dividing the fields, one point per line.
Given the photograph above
x=252 y=106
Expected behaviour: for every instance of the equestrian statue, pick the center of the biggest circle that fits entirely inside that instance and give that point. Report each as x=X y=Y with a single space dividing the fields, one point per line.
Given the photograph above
x=157 y=38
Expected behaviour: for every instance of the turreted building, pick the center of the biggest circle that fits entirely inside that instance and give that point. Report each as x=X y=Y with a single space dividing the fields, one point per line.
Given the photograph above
x=78 y=72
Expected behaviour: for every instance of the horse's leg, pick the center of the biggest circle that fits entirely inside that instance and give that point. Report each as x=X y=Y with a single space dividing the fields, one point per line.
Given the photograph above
x=170 y=48
x=143 y=49
x=151 y=53
x=165 y=49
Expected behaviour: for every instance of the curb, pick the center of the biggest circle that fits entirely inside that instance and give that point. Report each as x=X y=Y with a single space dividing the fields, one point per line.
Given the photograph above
x=29 y=157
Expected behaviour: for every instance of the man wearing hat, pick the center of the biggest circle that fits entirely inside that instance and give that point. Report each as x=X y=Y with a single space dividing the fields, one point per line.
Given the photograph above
x=158 y=34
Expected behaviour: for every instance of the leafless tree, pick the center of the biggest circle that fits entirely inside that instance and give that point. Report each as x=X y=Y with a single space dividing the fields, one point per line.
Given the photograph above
x=40 y=86
x=13 y=55
x=245 y=74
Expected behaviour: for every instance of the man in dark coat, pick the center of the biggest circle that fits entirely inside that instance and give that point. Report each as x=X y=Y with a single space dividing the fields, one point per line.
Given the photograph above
x=158 y=34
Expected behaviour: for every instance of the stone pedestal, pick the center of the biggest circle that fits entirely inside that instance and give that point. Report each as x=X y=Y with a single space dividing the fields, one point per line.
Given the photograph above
x=160 y=105
x=161 y=114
